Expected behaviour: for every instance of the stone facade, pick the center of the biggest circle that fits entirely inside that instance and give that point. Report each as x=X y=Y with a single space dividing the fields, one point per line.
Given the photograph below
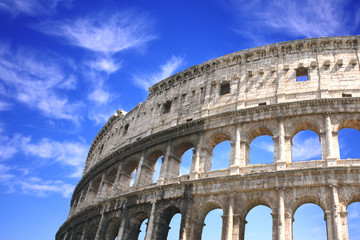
x=275 y=90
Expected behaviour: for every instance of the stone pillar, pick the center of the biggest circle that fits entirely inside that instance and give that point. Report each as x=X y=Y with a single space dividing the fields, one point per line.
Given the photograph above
x=330 y=158
x=173 y=166
x=117 y=179
x=195 y=165
x=235 y=162
x=139 y=171
x=244 y=153
x=101 y=189
x=288 y=226
x=344 y=224
x=336 y=213
x=329 y=225
x=281 y=161
x=150 y=227
x=165 y=162
x=229 y=219
x=239 y=223
x=323 y=145
x=88 y=192
x=123 y=222
x=275 y=229
x=101 y=229
x=281 y=215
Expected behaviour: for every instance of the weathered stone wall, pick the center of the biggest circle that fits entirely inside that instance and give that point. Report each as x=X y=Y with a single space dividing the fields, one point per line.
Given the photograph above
x=237 y=97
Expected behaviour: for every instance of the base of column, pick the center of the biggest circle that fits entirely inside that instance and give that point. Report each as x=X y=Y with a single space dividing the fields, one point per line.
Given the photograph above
x=194 y=175
x=280 y=166
x=331 y=162
x=234 y=170
x=160 y=181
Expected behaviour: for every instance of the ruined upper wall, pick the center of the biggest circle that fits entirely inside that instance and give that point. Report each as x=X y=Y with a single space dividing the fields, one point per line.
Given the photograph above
x=245 y=79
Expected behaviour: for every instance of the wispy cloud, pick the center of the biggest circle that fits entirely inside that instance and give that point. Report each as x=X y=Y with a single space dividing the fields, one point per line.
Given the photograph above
x=105 y=33
x=32 y=7
x=18 y=180
x=37 y=80
x=295 y=18
x=69 y=154
x=144 y=81
x=305 y=147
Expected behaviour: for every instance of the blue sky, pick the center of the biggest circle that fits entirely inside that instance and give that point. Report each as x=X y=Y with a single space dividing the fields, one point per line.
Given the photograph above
x=67 y=65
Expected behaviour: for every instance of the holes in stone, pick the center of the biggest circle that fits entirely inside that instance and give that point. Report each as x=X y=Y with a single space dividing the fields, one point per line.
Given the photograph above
x=221 y=156
x=349 y=143
x=166 y=107
x=309 y=223
x=259 y=218
x=143 y=228
x=346 y=95
x=213 y=225
x=132 y=181
x=302 y=75
x=262 y=104
x=189 y=120
x=157 y=168
x=174 y=231
x=126 y=127
x=262 y=150
x=353 y=220
x=224 y=88
x=186 y=160
x=306 y=146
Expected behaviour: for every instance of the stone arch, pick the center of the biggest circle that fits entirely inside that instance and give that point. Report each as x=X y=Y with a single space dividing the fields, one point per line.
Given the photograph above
x=254 y=202
x=313 y=198
x=211 y=143
x=112 y=228
x=148 y=167
x=79 y=230
x=304 y=125
x=91 y=231
x=204 y=210
x=164 y=217
x=179 y=151
x=349 y=123
x=127 y=169
x=254 y=133
x=110 y=179
x=94 y=188
x=354 y=197
x=133 y=225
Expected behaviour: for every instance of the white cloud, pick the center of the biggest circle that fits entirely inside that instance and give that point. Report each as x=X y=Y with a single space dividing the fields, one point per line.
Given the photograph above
x=297 y=18
x=105 y=64
x=70 y=154
x=266 y=145
x=37 y=80
x=104 y=33
x=307 y=148
x=100 y=96
x=169 y=68
x=31 y=7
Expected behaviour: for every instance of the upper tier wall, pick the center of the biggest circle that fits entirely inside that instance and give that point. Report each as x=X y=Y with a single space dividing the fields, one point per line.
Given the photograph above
x=245 y=79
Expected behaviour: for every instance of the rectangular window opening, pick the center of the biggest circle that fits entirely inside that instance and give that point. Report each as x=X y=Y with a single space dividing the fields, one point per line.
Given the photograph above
x=346 y=95
x=224 y=88
x=302 y=75
x=262 y=104
x=167 y=107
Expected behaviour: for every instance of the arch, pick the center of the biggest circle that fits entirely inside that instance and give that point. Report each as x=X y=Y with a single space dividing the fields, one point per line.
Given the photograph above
x=315 y=199
x=349 y=123
x=133 y=226
x=165 y=217
x=206 y=208
x=312 y=217
x=258 y=131
x=304 y=125
x=259 y=217
x=348 y=139
x=220 y=151
x=212 y=220
x=110 y=179
x=91 y=231
x=127 y=170
x=306 y=145
x=78 y=232
x=353 y=219
x=261 y=150
x=181 y=150
x=112 y=228
x=253 y=203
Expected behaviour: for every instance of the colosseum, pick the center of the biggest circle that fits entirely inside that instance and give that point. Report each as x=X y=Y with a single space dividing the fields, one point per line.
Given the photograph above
x=276 y=90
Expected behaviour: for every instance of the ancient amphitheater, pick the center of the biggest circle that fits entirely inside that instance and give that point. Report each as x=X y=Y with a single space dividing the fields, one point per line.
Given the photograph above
x=277 y=90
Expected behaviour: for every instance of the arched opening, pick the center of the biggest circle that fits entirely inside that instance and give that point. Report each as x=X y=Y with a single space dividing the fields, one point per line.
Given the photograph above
x=110 y=179
x=184 y=152
x=258 y=218
x=213 y=225
x=143 y=228
x=353 y=219
x=306 y=146
x=262 y=150
x=174 y=231
x=349 y=139
x=309 y=223
x=157 y=168
x=112 y=229
x=91 y=232
x=137 y=227
x=221 y=156
x=166 y=218
x=132 y=178
x=186 y=160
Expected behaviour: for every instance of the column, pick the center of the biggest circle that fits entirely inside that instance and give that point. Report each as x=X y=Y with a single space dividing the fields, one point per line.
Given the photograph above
x=235 y=163
x=329 y=225
x=239 y=223
x=122 y=225
x=150 y=227
x=164 y=166
x=229 y=219
x=101 y=225
x=281 y=161
x=344 y=224
x=102 y=186
x=117 y=179
x=194 y=174
x=281 y=215
x=139 y=172
x=331 y=160
x=288 y=226
x=336 y=213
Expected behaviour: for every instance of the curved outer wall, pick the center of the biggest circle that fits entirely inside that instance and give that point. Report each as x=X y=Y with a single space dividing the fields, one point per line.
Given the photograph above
x=236 y=97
